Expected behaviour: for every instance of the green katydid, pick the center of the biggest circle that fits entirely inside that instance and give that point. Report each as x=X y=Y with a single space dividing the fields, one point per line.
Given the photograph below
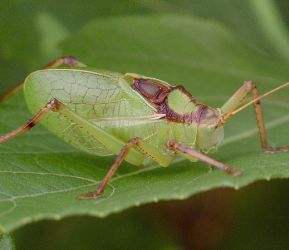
x=140 y=119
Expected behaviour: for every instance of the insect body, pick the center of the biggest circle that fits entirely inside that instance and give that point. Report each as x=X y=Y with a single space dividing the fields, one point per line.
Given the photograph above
x=138 y=118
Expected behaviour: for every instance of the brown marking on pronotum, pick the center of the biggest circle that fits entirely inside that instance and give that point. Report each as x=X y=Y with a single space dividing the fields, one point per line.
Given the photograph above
x=188 y=94
x=188 y=118
x=157 y=94
x=151 y=90
x=195 y=116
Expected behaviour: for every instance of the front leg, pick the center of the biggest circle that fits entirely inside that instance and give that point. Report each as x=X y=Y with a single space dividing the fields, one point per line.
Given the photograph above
x=232 y=107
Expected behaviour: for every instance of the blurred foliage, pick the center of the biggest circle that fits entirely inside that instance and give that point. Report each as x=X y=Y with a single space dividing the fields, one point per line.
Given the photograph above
x=33 y=33
x=251 y=218
x=6 y=242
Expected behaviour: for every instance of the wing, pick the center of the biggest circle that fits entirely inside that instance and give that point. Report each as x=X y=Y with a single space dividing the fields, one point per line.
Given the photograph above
x=92 y=95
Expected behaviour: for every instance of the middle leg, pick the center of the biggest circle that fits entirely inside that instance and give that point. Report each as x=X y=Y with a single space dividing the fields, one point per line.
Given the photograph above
x=143 y=147
x=190 y=153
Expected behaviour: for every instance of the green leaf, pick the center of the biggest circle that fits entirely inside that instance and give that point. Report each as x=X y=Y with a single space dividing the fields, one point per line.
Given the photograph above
x=40 y=176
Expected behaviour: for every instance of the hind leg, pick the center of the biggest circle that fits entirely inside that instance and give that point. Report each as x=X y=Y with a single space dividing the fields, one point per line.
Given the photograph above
x=65 y=60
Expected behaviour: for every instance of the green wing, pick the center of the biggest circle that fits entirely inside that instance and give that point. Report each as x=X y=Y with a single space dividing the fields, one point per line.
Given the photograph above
x=92 y=95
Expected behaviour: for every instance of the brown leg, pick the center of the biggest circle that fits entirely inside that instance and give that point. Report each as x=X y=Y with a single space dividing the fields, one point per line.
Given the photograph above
x=65 y=60
x=53 y=105
x=259 y=114
x=190 y=153
x=123 y=153
x=260 y=119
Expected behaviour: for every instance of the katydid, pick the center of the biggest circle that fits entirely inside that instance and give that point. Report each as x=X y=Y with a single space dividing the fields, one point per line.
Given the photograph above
x=140 y=119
